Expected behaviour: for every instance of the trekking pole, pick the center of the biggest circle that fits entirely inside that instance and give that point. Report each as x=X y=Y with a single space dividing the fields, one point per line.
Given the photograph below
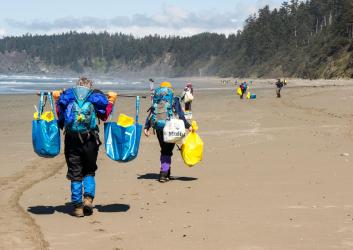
x=44 y=93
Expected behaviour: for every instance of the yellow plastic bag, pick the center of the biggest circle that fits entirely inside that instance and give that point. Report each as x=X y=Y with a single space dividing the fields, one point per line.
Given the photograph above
x=46 y=116
x=192 y=148
x=125 y=120
x=239 y=92
x=248 y=95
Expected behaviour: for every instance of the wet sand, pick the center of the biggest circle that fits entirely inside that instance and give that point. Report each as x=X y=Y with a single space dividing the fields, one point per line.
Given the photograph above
x=276 y=174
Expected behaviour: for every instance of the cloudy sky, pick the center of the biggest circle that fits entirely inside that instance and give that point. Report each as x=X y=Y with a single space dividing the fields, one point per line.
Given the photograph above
x=137 y=17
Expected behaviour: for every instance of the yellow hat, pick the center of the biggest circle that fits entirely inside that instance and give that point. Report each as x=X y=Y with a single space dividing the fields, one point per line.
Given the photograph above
x=166 y=85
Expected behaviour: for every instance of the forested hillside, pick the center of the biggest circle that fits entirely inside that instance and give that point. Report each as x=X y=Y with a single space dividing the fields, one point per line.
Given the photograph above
x=310 y=39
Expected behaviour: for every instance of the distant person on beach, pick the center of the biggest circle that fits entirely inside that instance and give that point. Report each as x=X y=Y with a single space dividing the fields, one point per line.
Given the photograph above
x=279 y=86
x=165 y=105
x=78 y=107
x=188 y=96
x=243 y=87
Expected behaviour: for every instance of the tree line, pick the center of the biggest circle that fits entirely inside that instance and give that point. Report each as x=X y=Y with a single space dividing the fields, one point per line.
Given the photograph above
x=309 y=39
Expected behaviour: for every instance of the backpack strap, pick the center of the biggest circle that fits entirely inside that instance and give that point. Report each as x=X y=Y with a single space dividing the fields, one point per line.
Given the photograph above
x=79 y=102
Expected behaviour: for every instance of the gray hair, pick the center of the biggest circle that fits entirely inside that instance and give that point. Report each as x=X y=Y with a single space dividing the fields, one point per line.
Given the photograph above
x=85 y=82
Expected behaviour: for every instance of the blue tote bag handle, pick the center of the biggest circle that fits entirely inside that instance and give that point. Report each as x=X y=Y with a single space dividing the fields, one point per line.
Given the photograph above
x=50 y=97
x=137 y=109
x=41 y=104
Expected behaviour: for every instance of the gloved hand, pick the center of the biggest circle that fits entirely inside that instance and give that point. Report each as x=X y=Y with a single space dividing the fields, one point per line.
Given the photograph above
x=112 y=96
x=56 y=94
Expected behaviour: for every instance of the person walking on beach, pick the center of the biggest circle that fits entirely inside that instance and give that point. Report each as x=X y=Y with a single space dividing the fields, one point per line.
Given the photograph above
x=188 y=96
x=78 y=109
x=279 y=86
x=164 y=106
x=243 y=87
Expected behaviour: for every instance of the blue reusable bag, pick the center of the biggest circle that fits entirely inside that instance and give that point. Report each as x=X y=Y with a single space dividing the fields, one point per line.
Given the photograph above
x=122 y=143
x=46 y=135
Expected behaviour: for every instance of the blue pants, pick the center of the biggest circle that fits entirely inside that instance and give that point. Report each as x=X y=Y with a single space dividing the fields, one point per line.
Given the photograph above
x=88 y=186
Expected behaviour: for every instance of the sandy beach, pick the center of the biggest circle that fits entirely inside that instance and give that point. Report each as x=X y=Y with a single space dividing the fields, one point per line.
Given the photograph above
x=276 y=174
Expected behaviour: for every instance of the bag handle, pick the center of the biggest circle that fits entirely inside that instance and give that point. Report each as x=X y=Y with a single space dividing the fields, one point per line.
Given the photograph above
x=137 y=109
x=40 y=104
x=52 y=104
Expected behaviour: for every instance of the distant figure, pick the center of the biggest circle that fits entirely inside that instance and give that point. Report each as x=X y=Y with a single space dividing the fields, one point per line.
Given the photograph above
x=279 y=86
x=243 y=87
x=151 y=88
x=187 y=96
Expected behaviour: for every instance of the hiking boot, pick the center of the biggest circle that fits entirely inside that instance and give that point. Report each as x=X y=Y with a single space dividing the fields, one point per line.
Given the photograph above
x=163 y=177
x=78 y=211
x=168 y=175
x=87 y=205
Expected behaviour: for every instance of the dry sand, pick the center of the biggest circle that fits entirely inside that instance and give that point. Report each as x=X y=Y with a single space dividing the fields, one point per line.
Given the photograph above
x=276 y=174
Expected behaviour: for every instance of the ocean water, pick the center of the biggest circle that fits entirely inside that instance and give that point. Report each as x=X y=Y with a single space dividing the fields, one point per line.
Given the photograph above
x=26 y=84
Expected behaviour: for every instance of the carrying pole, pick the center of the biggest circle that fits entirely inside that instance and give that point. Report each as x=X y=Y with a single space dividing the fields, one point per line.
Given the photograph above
x=120 y=95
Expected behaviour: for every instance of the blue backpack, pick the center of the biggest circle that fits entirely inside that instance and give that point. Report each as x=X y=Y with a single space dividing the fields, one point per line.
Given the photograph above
x=162 y=107
x=80 y=115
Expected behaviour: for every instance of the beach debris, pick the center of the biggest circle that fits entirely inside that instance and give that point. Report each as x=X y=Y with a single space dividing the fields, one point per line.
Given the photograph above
x=116 y=238
x=95 y=222
x=345 y=154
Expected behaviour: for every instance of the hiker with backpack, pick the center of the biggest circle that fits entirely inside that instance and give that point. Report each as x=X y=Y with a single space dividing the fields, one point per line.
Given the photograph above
x=279 y=86
x=78 y=109
x=165 y=106
x=243 y=87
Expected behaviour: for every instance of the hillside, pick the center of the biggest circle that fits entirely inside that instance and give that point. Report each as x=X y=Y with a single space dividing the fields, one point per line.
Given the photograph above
x=311 y=39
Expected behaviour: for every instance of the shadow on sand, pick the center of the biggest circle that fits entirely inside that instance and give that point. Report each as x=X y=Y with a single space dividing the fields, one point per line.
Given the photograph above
x=67 y=209
x=154 y=176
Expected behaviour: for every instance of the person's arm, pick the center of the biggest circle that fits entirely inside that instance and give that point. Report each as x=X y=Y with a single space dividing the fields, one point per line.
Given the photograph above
x=61 y=104
x=148 y=123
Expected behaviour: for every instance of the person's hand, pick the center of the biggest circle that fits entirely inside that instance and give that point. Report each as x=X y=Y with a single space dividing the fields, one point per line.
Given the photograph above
x=112 y=96
x=146 y=132
x=56 y=94
x=191 y=129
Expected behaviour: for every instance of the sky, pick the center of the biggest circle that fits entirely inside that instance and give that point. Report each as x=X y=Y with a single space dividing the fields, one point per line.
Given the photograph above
x=136 y=17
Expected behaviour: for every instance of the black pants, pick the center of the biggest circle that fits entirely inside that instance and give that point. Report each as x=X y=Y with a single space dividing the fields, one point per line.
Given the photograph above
x=166 y=148
x=81 y=155
x=188 y=106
